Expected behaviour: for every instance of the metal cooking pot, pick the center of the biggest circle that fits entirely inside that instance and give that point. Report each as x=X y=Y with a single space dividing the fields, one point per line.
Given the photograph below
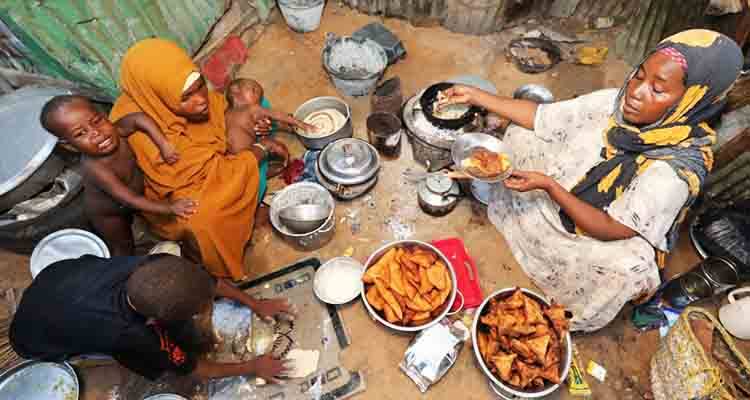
x=429 y=97
x=323 y=103
x=379 y=253
x=345 y=192
x=503 y=390
x=304 y=193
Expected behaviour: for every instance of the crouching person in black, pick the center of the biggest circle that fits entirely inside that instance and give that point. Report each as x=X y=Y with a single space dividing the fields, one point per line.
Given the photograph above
x=128 y=307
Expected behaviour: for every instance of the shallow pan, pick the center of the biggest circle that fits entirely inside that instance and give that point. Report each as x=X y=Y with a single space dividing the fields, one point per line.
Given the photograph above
x=428 y=99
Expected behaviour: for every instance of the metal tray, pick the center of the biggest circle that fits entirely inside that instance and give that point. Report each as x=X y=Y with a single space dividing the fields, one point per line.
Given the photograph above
x=39 y=380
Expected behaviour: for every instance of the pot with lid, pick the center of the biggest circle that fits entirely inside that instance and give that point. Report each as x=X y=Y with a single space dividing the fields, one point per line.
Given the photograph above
x=438 y=195
x=348 y=167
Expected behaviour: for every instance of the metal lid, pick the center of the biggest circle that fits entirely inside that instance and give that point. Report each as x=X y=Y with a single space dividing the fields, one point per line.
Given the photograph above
x=39 y=380
x=165 y=396
x=64 y=245
x=439 y=184
x=25 y=144
x=440 y=191
x=349 y=161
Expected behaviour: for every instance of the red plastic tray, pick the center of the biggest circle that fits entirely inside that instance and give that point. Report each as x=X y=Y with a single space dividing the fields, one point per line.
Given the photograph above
x=466 y=272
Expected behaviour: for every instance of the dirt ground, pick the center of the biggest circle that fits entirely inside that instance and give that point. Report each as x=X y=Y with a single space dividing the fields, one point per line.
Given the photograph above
x=288 y=66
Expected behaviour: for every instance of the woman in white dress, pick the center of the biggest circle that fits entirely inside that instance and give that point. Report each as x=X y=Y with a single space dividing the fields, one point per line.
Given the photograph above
x=602 y=181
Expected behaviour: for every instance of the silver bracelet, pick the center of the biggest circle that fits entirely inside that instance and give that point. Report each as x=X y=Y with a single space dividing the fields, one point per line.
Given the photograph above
x=263 y=149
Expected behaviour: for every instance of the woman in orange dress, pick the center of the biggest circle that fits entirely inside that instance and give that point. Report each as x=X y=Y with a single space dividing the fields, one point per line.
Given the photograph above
x=159 y=78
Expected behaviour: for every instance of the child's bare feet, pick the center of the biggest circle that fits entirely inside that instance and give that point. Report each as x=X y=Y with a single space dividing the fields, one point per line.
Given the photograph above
x=183 y=207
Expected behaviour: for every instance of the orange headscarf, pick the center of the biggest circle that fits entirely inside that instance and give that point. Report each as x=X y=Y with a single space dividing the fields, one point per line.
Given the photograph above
x=152 y=76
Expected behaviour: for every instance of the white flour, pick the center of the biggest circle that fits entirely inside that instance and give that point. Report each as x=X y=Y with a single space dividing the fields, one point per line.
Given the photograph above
x=339 y=284
x=349 y=57
x=302 y=362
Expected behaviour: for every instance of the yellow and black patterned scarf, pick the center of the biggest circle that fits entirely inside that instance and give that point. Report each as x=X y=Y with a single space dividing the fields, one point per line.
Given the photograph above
x=681 y=138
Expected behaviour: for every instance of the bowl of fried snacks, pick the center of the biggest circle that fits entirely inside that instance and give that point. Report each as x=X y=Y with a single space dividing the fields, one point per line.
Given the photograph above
x=409 y=285
x=522 y=342
x=482 y=157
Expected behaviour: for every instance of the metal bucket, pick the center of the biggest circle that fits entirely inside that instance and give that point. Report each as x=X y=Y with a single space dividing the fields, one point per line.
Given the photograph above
x=322 y=103
x=686 y=289
x=720 y=272
x=302 y=15
x=356 y=72
x=304 y=193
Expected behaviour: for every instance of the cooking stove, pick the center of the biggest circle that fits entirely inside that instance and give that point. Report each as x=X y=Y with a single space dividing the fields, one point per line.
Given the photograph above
x=431 y=144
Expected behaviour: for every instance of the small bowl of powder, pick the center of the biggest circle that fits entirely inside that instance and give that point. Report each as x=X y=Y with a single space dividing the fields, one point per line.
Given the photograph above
x=339 y=280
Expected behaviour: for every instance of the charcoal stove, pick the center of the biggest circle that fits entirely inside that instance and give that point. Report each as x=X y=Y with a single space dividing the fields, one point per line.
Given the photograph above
x=430 y=144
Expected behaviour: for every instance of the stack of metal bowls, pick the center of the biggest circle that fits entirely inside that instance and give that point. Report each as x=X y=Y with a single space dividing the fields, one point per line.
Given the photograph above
x=304 y=193
x=503 y=390
x=348 y=168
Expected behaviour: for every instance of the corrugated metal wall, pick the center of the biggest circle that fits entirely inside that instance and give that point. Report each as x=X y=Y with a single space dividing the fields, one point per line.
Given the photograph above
x=84 y=40
x=620 y=9
x=729 y=184
x=408 y=9
x=476 y=17
x=655 y=20
x=12 y=51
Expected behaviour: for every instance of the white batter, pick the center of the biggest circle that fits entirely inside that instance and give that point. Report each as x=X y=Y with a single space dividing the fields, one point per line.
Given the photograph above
x=327 y=122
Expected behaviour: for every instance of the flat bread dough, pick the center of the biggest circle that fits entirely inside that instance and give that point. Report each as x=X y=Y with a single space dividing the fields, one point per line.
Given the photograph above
x=302 y=362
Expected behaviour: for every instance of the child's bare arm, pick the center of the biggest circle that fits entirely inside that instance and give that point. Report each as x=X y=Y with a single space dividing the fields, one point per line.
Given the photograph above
x=140 y=121
x=285 y=118
x=107 y=181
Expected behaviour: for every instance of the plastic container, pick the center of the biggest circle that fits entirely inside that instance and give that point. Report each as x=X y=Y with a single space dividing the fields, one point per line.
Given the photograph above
x=392 y=45
x=302 y=15
x=467 y=274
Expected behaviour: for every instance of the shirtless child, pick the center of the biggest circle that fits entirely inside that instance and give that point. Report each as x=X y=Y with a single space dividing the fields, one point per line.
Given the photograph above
x=112 y=180
x=244 y=97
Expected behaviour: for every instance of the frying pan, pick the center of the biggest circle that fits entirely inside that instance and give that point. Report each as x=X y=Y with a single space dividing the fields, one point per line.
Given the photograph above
x=429 y=97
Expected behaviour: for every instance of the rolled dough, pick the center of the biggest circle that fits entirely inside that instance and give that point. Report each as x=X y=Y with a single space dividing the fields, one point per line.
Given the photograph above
x=302 y=362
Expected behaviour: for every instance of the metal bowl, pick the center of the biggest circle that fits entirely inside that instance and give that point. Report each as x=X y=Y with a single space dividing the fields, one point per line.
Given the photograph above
x=536 y=93
x=466 y=143
x=333 y=272
x=64 y=245
x=40 y=380
x=165 y=396
x=304 y=218
x=379 y=253
x=304 y=193
x=322 y=103
x=499 y=386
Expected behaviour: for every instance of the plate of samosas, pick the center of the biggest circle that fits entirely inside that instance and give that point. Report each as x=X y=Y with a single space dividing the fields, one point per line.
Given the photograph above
x=522 y=342
x=408 y=285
